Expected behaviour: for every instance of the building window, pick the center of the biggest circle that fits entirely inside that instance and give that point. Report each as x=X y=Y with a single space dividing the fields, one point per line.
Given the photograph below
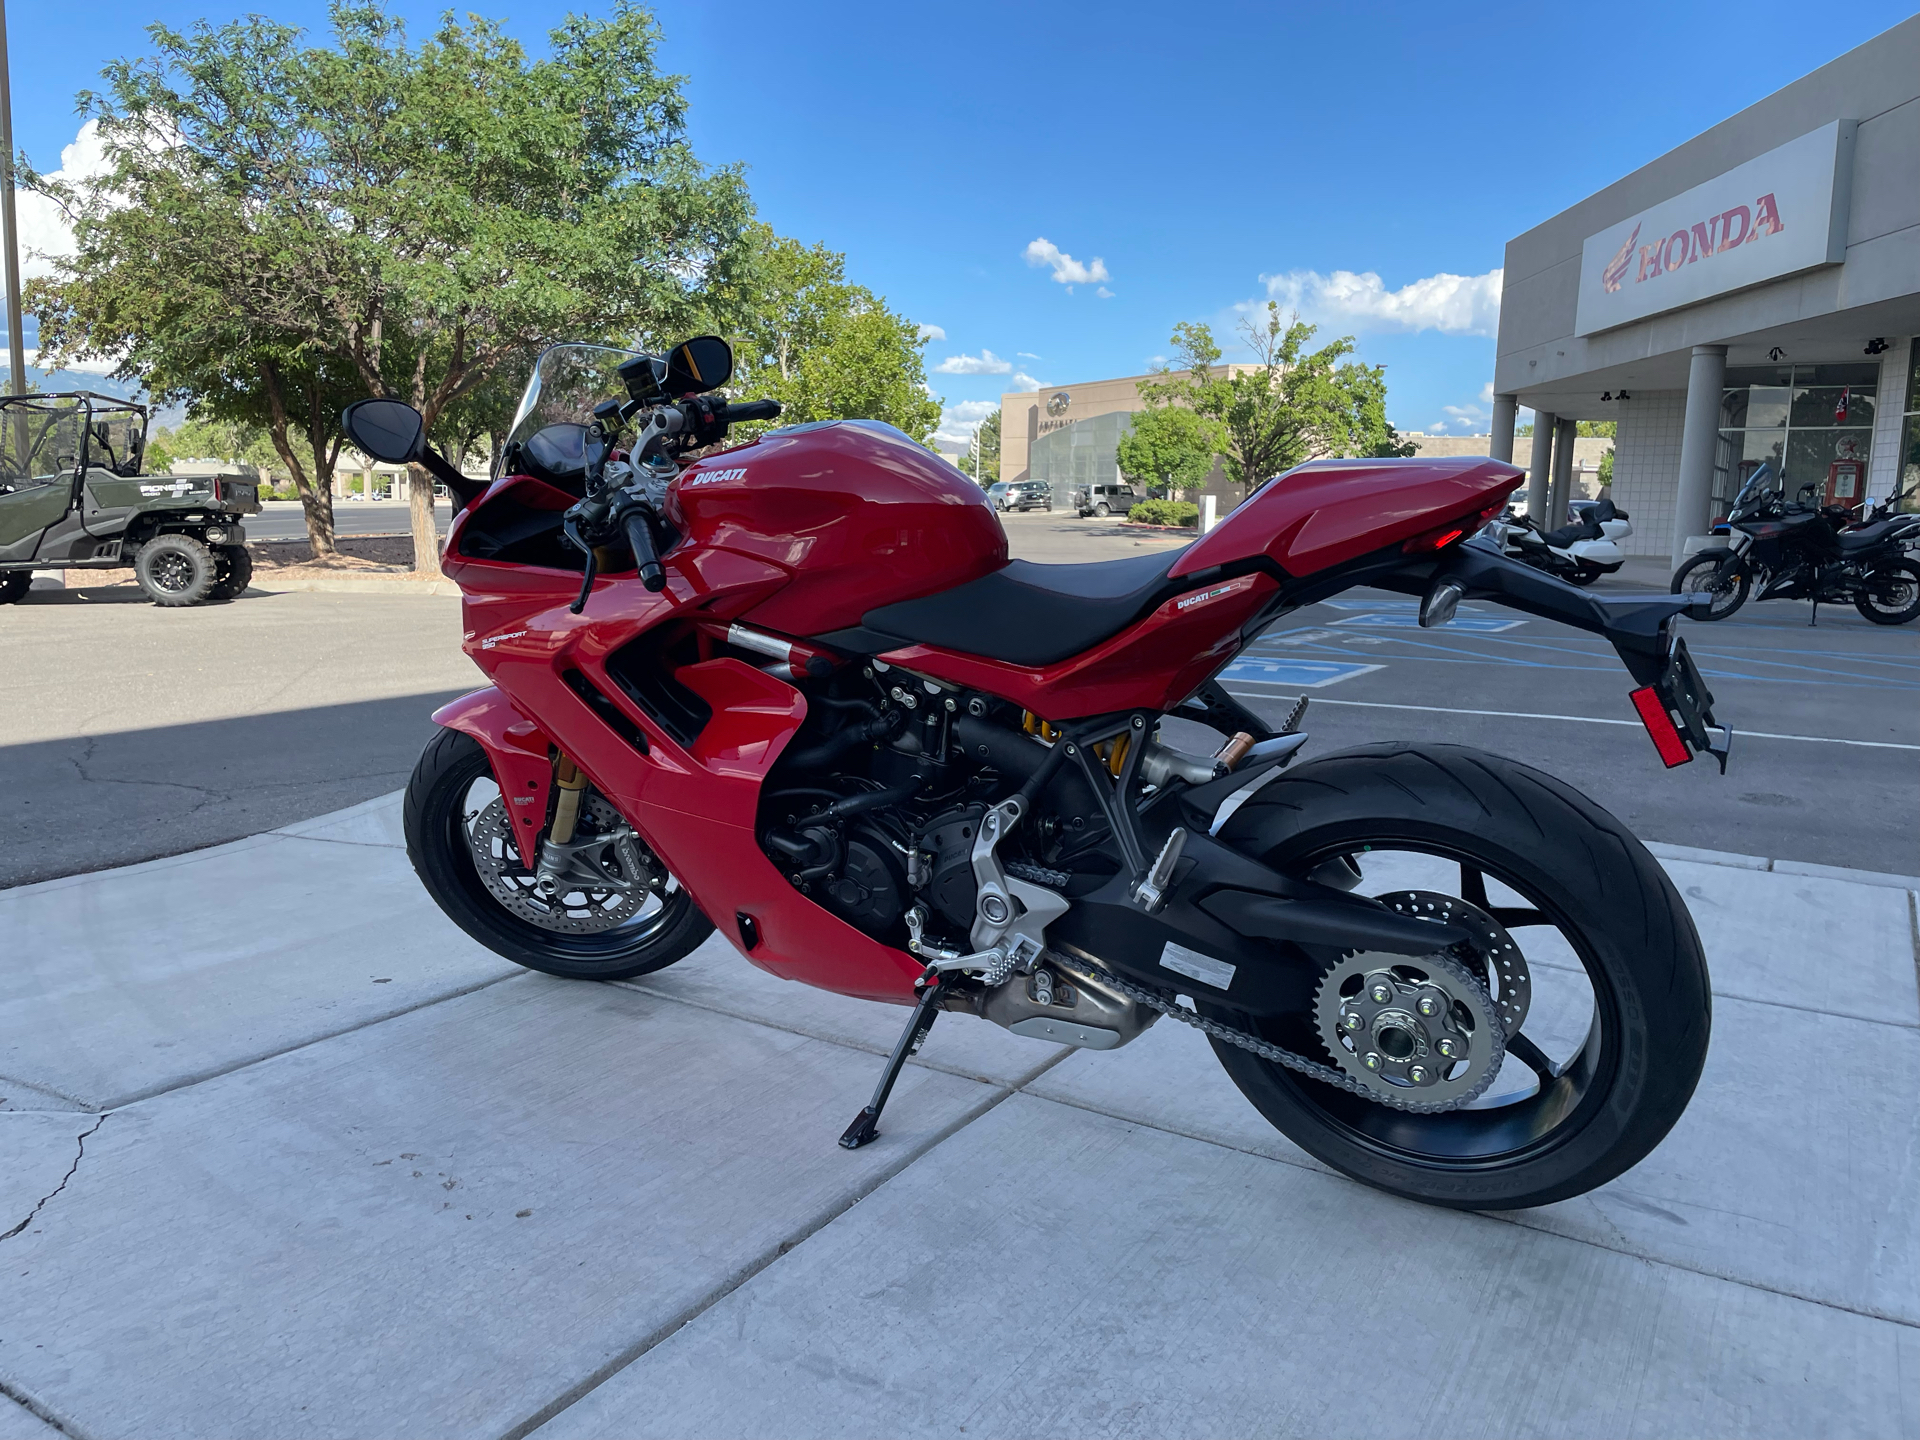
x=1800 y=420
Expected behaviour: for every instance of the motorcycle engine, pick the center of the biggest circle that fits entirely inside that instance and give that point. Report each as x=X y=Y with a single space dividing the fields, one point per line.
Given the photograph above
x=869 y=890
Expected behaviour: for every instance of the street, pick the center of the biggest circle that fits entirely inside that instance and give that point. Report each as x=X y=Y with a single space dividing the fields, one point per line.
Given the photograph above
x=283 y=519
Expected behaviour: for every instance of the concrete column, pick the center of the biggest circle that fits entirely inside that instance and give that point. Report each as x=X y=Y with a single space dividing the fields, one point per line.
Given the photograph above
x=1505 y=407
x=1564 y=433
x=1699 y=438
x=1537 y=476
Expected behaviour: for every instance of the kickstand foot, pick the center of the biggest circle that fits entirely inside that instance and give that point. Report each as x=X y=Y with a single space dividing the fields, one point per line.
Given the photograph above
x=866 y=1125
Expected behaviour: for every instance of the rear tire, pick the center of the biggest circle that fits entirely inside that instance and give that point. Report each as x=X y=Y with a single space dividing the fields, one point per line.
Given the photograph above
x=1588 y=877
x=235 y=572
x=1100 y=511
x=437 y=844
x=14 y=584
x=1728 y=595
x=175 y=570
x=1903 y=585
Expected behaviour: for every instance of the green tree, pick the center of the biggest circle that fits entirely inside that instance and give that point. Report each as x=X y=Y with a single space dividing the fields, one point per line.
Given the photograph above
x=1604 y=428
x=408 y=219
x=985 y=456
x=1169 y=449
x=1290 y=406
x=825 y=348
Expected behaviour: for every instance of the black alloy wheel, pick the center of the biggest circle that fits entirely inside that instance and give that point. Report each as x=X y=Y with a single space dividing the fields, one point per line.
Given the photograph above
x=1890 y=593
x=1610 y=1048
x=1702 y=574
x=175 y=570
x=14 y=585
x=457 y=840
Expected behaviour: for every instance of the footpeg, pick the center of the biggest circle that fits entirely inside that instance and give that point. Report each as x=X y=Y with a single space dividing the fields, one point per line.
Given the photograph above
x=866 y=1125
x=1151 y=893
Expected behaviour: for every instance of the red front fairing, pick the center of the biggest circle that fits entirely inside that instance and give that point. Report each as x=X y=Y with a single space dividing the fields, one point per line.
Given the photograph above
x=802 y=534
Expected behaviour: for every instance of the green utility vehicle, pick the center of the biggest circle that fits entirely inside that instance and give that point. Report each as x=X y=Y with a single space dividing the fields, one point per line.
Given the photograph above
x=72 y=498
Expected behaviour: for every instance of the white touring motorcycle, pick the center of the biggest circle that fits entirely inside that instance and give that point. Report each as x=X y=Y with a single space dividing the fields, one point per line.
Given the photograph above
x=1579 y=552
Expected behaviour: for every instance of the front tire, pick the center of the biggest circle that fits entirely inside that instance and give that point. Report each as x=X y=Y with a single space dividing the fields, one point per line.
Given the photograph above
x=441 y=847
x=175 y=570
x=1894 y=594
x=1729 y=591
x=1548 y=1129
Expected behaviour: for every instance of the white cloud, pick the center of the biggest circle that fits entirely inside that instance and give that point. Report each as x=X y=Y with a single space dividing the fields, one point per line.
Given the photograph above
x=91 y=366
x=44 y=231
x=1023 y=381
x=958 y=422
x=1066 y=269
x=932 y=332
x=1026 y=355
x=1104 y=293
x=1451 y=304
x=985 y=363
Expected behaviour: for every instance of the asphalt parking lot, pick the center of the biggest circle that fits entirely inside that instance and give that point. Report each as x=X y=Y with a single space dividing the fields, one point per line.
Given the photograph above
x=132 y=732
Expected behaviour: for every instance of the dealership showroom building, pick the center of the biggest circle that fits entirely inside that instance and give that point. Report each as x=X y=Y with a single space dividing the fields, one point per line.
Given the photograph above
x=1750 y=298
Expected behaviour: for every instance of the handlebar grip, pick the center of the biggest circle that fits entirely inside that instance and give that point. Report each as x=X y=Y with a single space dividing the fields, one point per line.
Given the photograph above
x=646 y=559
x=750 y=410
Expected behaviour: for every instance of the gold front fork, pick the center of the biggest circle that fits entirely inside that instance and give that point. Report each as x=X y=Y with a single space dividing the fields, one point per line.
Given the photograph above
x=566 y=811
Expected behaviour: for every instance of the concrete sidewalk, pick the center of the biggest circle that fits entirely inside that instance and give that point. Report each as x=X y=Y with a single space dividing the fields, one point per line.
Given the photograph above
x=288 y=1155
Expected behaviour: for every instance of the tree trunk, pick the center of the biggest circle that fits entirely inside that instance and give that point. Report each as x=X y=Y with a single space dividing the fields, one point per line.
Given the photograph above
x=426 y=544
x=316 y=501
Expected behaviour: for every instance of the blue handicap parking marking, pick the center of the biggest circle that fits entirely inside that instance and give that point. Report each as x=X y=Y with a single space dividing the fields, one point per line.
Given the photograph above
x=1289 y=673
x=1409 y=620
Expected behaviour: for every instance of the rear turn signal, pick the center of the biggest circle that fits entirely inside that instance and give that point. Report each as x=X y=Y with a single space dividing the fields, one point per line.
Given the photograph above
x=1666 y=735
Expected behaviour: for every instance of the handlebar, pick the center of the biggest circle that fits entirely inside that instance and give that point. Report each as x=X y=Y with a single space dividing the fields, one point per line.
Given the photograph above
x=748 y=410
x=646 y=558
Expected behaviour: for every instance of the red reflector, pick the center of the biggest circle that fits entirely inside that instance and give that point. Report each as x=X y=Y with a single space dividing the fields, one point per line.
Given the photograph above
x=1666 y=735
x=1432 y=540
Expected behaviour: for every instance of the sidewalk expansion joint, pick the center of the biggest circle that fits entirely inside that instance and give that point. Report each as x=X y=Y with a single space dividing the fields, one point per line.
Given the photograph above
x=247 y=1063
x=807 y=1230
x=38 y=1411
x=80 y=1153
x=1514 y=1218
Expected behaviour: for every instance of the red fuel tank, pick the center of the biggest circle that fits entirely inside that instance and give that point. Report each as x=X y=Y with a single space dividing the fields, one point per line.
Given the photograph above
x=857 y=513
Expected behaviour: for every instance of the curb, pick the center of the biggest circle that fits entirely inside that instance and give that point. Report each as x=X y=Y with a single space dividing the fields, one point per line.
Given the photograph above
x=1782 y=867
x=399 y=583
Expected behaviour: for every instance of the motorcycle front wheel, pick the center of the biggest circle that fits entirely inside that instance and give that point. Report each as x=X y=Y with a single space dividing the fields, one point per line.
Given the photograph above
x=1729 y=591
x=613 y=928
x=1892 y=594
x=1612 y=1043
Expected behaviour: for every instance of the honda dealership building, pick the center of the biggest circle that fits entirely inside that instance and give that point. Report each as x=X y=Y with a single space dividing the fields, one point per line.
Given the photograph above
x=1750 y=298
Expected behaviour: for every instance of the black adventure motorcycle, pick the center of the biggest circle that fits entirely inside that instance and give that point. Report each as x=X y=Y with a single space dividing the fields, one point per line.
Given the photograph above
x=1780 y=549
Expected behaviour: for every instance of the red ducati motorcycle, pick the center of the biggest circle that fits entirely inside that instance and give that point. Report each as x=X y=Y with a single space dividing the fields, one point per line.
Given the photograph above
x=796 y=691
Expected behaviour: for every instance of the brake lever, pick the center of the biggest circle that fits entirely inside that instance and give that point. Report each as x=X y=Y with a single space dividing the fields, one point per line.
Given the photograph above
x=572 y=532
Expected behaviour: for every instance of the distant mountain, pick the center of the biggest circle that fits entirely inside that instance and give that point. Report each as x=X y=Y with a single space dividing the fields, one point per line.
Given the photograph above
x=56 y=381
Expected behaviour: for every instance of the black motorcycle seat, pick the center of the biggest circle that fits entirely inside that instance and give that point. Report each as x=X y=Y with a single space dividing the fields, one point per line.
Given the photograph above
x=1028 y=614
x=1568 y=534
x=1869 y=534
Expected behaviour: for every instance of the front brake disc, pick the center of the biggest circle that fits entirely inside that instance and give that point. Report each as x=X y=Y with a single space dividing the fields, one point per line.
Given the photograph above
x=578 y=909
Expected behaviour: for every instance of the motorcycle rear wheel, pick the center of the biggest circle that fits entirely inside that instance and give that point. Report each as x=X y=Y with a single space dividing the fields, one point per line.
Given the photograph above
x=1535 y=1138
x=1729 y=594
x=438 y=813
x=1898 y=600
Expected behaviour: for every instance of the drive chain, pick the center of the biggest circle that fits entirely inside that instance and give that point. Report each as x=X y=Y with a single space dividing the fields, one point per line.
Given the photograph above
x=1299 y=1064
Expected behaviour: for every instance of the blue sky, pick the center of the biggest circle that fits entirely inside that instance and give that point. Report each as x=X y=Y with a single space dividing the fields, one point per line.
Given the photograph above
x=1055 y=187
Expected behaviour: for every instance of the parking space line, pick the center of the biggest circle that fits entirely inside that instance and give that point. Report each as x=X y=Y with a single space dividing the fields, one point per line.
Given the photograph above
x=1594 y=720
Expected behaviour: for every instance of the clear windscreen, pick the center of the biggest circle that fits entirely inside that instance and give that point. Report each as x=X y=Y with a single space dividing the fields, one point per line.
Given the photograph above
x=40 y=440
x=567 y=382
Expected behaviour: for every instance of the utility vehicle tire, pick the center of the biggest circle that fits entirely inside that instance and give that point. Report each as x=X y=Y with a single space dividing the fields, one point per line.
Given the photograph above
x=436 y=816
x=14 y=584
x=235 y=572
x=1728 y=595
x=175 y=570
x=1899 y=599
x=1569 y=1127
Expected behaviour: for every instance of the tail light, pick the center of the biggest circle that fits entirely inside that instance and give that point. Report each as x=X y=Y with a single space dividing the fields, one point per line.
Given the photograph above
x=1442 y=536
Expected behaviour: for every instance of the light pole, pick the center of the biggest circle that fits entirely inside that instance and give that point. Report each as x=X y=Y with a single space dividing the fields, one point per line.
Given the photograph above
x=16 y=350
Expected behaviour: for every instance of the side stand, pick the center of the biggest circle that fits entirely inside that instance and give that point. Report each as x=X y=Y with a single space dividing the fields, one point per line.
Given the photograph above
x=866 y=1125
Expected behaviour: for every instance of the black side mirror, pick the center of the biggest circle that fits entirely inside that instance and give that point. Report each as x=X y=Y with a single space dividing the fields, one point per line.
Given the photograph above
x=389 y=430
x=702 y=363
